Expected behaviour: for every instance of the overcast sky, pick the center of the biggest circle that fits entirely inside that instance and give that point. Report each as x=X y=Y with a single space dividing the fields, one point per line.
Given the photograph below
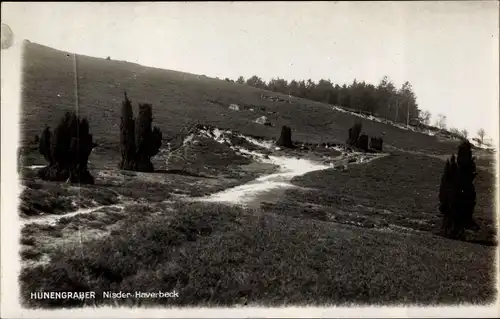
x=447 y=50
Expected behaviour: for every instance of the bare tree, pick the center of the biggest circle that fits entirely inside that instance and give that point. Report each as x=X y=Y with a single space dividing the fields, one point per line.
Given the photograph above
x=464 y=133
x=425 y=117
x=455 y=131
x=441 y=121
x=481 y=134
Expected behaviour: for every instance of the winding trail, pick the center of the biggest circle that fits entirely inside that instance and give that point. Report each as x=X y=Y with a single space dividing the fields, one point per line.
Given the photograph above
x=272 y=185
x=253 y=191
x=53 y=219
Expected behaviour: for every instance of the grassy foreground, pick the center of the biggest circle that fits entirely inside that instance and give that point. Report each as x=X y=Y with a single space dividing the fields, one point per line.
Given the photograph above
x=222 y=255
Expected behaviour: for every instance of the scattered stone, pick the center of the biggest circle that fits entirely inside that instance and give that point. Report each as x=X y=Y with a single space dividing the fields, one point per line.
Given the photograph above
x=368 y=224
x=263 y=120
x=234 y=107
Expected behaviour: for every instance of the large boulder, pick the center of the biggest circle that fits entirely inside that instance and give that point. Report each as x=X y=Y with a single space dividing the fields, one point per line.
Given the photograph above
x=285 y=139
x=376 y=143
x=354 y=133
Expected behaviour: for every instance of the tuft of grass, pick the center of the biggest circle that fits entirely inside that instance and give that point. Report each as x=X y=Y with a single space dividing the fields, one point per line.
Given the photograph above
x=29 y=241
x=59 y=198
x=30 y=253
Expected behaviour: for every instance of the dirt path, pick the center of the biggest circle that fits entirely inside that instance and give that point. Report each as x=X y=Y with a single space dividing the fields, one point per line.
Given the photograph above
x=270 y=186
x=252 y=191
x=53 y=219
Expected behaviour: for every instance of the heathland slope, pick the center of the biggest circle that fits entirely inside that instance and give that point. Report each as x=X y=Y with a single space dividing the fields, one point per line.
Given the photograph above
x=179 y=101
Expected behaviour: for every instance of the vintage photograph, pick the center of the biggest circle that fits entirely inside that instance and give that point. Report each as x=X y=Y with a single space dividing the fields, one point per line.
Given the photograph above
x=254 y=154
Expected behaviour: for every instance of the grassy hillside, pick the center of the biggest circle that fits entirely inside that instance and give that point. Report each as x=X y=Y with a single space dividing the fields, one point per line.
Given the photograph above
x=361 y=232
x=179 y=100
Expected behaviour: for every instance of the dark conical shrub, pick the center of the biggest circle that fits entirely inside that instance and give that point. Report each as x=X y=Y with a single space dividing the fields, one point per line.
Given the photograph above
x=354 y=133
x=139 y=140
x=466 y=174
x=67 y=151
x=148 y=141
x=82 y=146
x=457 y=195
x=443 y=189
x=447 y=196
x=285 y=139
x=155 y=142
x=376 y=143
x=61 y=139
x=362 y=142
x=127 y=136
x=44 y=145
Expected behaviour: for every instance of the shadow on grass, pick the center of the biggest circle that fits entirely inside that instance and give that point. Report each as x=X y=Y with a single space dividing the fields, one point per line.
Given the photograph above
x=477 y=237
x=483 y=242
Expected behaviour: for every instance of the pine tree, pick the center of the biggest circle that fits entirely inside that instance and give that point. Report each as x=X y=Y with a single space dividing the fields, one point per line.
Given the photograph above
x=44 y=145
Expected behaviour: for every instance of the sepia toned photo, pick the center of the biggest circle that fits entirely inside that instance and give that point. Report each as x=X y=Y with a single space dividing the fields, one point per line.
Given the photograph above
x=263 y=159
